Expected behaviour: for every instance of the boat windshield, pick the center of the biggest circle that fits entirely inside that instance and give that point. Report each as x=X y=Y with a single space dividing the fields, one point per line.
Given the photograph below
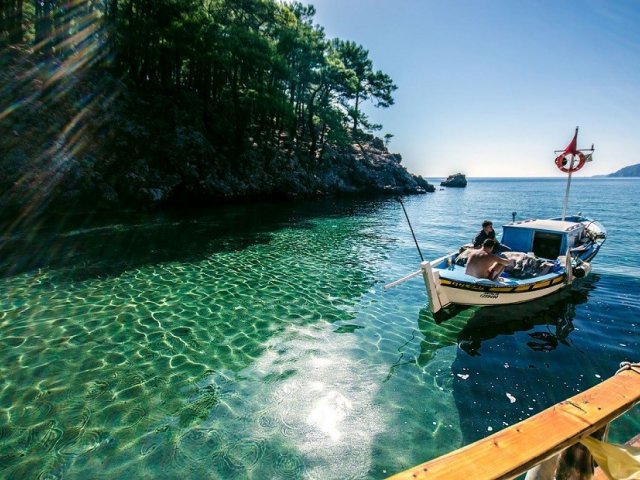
x=547 y=245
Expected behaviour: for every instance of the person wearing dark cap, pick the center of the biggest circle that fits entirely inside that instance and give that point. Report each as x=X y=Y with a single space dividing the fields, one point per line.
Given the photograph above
x=486 y=232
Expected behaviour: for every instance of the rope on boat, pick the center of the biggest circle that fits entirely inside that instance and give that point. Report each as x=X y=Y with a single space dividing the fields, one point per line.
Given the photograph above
x=629 y=366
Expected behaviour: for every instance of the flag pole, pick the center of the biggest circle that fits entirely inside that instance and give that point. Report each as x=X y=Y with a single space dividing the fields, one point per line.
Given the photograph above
x=566 y=194
x=573 y=156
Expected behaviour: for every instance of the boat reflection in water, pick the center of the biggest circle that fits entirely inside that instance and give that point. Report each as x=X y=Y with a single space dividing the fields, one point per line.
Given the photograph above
x=474 y=325
x=555 y=313
x=514 y=360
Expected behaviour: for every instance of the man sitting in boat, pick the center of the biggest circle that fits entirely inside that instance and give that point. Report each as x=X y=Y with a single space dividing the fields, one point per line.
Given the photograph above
x=488 y=232
x=482 y=263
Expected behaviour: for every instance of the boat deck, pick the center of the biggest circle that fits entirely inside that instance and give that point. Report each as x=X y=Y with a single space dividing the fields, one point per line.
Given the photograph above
x=456 y=273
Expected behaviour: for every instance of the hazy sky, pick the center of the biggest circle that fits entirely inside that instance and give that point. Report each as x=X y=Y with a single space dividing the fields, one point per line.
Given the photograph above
x=492 y=87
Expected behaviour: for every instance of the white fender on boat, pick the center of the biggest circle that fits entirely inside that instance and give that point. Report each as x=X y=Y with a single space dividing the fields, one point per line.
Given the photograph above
x=568 y=267
x=437 y=298
x=582 y=270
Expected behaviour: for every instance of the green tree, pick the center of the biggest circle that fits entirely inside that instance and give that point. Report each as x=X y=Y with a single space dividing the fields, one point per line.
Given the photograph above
x=11 y=20
x=368 y=84
x=265 y=75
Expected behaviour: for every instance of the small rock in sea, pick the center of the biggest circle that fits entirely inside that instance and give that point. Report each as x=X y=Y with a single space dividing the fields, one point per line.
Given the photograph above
x=458 y=180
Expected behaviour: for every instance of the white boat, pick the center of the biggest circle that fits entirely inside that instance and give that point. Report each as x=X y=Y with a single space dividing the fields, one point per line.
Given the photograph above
x=560 y=249
x=553 y=251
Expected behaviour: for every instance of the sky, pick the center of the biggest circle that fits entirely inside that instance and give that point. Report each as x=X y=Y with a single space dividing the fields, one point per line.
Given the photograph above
x=490 y=88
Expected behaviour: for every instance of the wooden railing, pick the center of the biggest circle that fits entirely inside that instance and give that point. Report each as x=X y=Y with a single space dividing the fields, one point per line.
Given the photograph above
x=518 y=448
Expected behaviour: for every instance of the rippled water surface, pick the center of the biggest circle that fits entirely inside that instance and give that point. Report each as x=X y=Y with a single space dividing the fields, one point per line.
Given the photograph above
x=257 y=341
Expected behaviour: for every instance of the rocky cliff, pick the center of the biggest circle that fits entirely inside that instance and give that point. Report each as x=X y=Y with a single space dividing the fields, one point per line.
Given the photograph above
x=97 y=141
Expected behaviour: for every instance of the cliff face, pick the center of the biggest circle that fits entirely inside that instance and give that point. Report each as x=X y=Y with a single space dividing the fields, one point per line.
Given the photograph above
x=96 y=141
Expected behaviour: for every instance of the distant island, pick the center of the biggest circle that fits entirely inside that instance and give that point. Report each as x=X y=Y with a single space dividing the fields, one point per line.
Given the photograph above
x=457 y=180
x=123 y=104
x=630 y=171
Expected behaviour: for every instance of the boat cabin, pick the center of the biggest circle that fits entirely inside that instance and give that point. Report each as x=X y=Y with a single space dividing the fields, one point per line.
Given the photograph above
x=545 y=238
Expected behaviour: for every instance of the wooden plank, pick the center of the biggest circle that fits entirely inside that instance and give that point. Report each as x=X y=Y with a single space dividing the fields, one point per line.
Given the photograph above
x=516 y=449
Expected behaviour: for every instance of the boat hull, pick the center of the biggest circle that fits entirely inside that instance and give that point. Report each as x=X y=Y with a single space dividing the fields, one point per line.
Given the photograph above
x=449 y=286
x=465 y=294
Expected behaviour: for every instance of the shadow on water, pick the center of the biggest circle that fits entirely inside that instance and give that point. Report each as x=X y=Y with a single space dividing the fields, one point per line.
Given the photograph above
x=469 y=327
x=555 y=314
x=104 y=244
x=518 y=360
x=464 y=372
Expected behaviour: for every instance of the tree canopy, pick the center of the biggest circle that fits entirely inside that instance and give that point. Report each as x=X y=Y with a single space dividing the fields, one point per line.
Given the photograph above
x=265 y=73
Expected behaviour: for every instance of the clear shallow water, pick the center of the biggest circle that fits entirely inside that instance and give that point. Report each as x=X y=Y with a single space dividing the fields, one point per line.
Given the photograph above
x=257 y=341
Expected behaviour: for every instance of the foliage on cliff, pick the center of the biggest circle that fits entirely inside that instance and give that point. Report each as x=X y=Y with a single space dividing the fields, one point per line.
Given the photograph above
x=121 y=101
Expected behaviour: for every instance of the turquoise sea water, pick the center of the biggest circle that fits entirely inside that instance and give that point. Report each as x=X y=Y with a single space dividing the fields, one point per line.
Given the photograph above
x=256 y=341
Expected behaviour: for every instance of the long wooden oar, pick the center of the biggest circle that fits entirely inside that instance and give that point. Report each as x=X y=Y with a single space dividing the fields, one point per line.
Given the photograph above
x=403 y=279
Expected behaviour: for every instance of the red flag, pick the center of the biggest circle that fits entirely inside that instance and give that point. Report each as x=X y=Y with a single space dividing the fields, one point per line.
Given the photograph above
x=571 y=148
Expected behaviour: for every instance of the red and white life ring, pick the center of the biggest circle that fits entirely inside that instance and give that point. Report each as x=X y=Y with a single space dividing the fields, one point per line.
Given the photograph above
x=564 y=163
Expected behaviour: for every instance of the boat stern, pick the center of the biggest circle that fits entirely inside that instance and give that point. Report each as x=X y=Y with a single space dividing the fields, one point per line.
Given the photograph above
x=437 y=298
